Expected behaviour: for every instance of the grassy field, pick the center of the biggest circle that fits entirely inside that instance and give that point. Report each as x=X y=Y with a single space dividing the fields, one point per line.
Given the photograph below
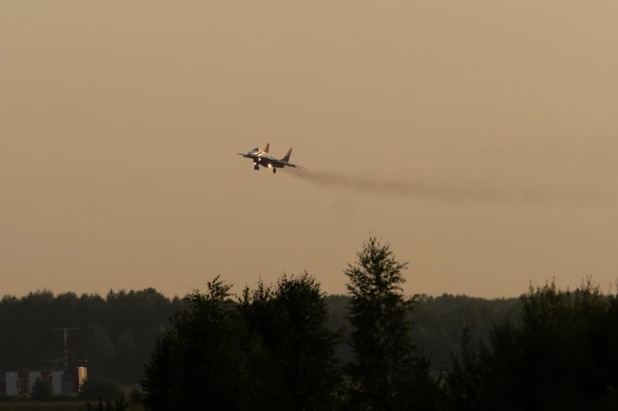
x=55 y=406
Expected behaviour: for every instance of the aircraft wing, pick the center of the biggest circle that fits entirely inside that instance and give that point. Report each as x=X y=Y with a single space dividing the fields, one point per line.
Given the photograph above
x=289 y=164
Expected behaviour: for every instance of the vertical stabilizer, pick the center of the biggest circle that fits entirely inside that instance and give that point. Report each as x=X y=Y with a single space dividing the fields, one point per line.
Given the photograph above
x=267 y=147
x=287 y=156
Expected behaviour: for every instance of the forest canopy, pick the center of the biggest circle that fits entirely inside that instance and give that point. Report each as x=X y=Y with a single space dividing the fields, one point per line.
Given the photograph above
x=118 y=331
x=289 y=345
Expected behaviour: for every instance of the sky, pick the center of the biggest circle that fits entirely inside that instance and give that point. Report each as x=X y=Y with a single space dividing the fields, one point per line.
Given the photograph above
x=121 y=122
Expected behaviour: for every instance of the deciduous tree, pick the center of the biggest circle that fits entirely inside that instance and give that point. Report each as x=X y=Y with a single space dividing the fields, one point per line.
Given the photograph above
x=293 y=320
x=208 y=354
x=388 y=373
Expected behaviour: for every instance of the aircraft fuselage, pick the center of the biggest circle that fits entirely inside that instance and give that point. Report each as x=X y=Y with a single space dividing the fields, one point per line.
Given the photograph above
x=263 y=159
x=265 y=162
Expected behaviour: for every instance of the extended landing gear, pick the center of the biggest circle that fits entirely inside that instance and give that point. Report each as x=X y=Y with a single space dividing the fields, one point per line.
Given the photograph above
x=256 y=167
x=274 y=170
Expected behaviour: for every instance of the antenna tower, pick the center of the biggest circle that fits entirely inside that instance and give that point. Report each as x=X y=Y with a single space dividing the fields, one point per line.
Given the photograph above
x=66 y=352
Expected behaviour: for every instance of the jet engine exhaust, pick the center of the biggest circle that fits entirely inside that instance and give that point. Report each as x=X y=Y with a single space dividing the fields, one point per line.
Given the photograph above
x=453 y=192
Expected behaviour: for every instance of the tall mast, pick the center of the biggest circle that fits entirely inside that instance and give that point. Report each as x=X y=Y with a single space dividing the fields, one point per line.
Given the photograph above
x=66 y=330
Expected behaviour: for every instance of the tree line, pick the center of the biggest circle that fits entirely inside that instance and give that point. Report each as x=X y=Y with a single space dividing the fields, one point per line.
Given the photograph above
x=116 y=333
x=272 y=348
x=290 y=346
x=114 y=337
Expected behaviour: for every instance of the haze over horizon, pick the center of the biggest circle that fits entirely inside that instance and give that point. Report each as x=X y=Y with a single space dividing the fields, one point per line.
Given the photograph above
x=120 y=126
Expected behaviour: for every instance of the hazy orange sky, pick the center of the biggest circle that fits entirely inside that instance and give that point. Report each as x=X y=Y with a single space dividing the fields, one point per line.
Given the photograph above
x=120 y=123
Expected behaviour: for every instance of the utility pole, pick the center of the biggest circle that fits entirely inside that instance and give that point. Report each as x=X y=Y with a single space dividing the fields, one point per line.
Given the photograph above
x=66 y=353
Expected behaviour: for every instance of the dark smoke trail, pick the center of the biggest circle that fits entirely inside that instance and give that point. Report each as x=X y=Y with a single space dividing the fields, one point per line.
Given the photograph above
x=502 y=193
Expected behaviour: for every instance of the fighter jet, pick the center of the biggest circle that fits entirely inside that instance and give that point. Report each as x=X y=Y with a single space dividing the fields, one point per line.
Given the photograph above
x=262 y=158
